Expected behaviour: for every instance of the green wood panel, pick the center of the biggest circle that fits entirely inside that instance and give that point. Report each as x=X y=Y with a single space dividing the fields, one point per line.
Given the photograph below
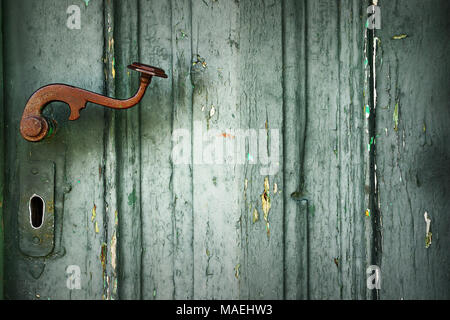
x=261 y=109
x=155 y=47
x=128 y=151
x=42 y=51
x=412 y=161
x=180 y=226
x=2 y=152
x=334 y=166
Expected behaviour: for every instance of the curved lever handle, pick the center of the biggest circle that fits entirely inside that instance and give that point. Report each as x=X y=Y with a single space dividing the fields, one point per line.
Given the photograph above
x=34 y=127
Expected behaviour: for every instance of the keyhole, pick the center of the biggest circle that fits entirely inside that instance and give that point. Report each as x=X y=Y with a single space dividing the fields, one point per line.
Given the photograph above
x=37 y=209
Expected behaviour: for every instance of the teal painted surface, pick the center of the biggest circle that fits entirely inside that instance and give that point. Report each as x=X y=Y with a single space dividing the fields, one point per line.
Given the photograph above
x=142 y=226
x=2 y=152
x=413 y=170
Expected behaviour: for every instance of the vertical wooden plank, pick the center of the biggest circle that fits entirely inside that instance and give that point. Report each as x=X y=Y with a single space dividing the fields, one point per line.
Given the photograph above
x=156 y=119
x=295 y=122
x=39 y=52
x=181 y=183
x=216 y=181
x=413 y=114
x=128 y=151
x=322 y=179
x=2 y=154
x=351 y=148
x=261 y=109
x=109 y=175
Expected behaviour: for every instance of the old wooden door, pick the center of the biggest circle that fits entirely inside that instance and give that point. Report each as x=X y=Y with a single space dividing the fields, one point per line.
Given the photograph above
x=338 y=137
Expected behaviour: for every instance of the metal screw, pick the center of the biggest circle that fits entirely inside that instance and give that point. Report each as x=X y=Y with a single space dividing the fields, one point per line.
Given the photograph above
x=34 y=171
x=36 y=240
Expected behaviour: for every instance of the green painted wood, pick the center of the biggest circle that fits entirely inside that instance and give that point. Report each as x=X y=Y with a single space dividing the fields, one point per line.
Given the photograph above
x=261 y=109
x=155 y=47
x=334 y=170
x=2 y=158
x=184 y=230
x=42 y=51
x=216 y=187
x=182 y=180
x=128 y=151
x=412 y=161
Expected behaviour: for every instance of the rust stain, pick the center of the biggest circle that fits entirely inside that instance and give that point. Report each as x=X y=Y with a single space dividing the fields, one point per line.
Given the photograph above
x=103 y=259
x=113 y=251
x=336 y=262
x=227 y=135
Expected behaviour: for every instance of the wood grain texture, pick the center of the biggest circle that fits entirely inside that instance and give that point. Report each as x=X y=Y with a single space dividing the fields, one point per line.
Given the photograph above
x=176 y=214
x=155 y=47
x=413 y=174
x=2 y=162
x=42 y=51
x=126 y=46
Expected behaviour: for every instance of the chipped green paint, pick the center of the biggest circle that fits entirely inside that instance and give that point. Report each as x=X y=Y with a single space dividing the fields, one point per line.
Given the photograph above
x=237 y=270
x=395 y=117
x=103 y=261
x=400 y=37
x=86 y=2
x=367 y=111
x=132 y=198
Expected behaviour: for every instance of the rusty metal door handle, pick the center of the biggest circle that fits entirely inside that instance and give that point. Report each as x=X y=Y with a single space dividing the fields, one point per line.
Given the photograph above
x=35 y=127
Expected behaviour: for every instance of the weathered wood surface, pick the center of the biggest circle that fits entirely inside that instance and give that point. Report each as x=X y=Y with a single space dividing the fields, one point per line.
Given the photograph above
x=413 y=161
x=290 y=72
x=42 y=50
x=2 y=163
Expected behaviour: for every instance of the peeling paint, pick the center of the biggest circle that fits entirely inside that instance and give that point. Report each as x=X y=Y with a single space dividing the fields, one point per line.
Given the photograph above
x=400 y=37
x=212 y=111
x=113 y=70
x=336 y=262
x=94 y=213
x=395 y=117
x=265 y=199
x=113 y=251
x=255 y=215
x=237 y=270
x=428 y=234
x=103 y=259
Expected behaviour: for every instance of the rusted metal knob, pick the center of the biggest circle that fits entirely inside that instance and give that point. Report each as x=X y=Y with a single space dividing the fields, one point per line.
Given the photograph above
x=35 y=127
